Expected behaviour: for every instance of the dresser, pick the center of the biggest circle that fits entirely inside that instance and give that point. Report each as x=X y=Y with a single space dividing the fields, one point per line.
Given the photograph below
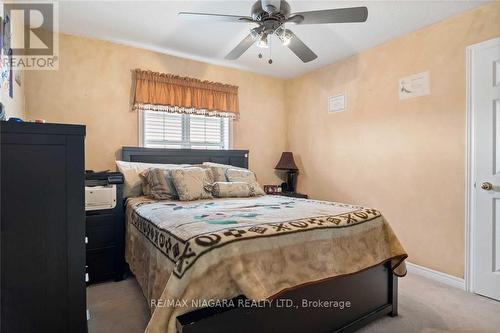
x=105 y=236
x=42 y=228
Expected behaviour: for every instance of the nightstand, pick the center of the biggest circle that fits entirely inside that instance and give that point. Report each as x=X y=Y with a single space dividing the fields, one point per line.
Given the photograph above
x=105 y=236
x=292 y=195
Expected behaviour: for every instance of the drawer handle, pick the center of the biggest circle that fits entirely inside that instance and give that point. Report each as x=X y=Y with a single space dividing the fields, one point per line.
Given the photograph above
x=87 y=278
x=86 y=240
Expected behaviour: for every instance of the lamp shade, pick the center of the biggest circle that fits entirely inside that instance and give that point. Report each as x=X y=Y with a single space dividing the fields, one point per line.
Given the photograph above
x=286 y=162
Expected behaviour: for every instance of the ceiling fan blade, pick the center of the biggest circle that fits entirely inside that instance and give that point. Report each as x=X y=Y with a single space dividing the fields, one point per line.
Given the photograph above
x=300 y=49
x=215 y=17
x=241 y=48
x=339 y=15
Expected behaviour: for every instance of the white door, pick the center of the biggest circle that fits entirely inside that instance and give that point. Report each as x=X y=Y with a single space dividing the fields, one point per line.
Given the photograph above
x=485 y=99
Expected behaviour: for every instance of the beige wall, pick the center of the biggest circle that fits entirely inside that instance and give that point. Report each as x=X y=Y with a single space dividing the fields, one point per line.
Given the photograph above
x=93 y=87
x=405 y=158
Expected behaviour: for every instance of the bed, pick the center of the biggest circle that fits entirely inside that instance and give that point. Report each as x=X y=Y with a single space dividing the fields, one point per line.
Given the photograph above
x=263 y=264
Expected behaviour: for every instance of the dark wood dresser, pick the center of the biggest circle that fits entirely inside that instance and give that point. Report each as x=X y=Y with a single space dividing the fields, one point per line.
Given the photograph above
x=105 y=241
x=42 y=228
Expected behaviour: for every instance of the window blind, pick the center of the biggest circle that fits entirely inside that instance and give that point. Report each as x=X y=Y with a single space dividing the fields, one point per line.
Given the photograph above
x=170 y=130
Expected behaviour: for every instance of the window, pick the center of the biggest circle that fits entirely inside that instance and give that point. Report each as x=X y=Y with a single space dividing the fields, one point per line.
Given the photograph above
x=171 y=130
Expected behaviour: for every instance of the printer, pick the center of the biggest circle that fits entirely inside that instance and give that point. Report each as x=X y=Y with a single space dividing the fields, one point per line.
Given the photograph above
x=100 y=189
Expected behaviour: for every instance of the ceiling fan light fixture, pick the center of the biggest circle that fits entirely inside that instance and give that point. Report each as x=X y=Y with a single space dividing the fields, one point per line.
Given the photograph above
x=256 y=33
x=284 y=35
x=271 y=17
x=286 y=38
x=263 y=42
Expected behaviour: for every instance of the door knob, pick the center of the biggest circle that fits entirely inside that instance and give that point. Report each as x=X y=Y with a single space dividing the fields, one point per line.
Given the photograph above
x=487 y=186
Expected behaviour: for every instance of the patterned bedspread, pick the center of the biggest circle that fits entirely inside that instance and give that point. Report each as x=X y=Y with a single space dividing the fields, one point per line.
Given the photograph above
x=221 y=248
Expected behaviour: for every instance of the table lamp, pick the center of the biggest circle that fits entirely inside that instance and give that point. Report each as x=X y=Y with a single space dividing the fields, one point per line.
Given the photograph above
x=287 y=163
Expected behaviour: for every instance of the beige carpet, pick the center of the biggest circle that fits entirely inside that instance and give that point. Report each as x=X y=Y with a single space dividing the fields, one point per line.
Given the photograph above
x=424 y=306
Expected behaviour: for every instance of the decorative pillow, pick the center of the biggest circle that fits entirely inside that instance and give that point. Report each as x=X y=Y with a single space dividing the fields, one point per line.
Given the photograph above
x=211 y=175
x=146 y=188
x=246 y=176
x=157 y=184
x=190 y=183
x=232 y=190
x=166 y=190
x=132 y=186
x=219 y=170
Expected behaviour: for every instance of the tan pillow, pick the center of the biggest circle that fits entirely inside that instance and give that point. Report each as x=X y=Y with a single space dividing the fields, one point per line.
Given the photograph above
x=146 y=188
x=132 y=186
x=157 y=184
x=219 y=170
x=246 y=176
x=170 y=187
x=232 y=190
x=211 y=175
x=190 y=183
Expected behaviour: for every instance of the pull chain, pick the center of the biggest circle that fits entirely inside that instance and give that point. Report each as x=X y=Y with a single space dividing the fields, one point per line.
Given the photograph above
x=270 y=61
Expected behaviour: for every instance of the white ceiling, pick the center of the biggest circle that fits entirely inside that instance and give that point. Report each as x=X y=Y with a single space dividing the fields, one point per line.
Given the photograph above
x=154 y=25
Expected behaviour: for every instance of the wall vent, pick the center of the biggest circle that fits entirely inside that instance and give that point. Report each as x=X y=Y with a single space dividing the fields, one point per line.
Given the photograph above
x=337 y=103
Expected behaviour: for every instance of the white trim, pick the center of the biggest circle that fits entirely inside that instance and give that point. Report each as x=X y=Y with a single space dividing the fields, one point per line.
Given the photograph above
x=447 y=279
x=469 y=174
x=231 y=133
x=140 y=123
x=469 y=164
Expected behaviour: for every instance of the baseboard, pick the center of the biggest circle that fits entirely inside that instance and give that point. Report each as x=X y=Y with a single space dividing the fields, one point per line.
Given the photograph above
x=447 y=279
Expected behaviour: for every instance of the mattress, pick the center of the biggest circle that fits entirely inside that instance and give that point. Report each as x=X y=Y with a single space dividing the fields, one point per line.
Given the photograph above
x=189 y=254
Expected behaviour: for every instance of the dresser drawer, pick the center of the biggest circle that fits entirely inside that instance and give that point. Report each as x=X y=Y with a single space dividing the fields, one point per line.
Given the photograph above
x=100 y=231
x=101 y=264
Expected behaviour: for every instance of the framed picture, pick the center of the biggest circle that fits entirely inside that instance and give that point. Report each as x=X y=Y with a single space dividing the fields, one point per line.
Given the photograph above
x=6 y=74
x=271 y=189
x=1 y=34
x=6 y=35
x=2 y=112
x=11 y=74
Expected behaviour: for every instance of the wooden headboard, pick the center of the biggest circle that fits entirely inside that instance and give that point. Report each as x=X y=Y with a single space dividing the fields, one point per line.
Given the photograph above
x=238 y=158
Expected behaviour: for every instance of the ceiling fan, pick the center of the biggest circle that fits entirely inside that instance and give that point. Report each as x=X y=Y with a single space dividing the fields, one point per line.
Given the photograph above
x=271 y=17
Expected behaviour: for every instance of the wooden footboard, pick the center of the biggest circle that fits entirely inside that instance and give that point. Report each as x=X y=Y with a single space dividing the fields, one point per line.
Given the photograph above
x=341 y=304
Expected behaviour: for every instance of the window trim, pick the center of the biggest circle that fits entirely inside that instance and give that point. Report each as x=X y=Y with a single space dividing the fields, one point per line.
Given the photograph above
x=141 y=134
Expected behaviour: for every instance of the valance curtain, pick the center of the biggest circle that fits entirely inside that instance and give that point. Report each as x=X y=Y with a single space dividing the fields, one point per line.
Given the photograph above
x=171 y=93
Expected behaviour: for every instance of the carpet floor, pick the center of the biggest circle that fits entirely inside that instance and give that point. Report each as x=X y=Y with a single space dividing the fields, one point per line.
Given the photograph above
x=425 y=306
